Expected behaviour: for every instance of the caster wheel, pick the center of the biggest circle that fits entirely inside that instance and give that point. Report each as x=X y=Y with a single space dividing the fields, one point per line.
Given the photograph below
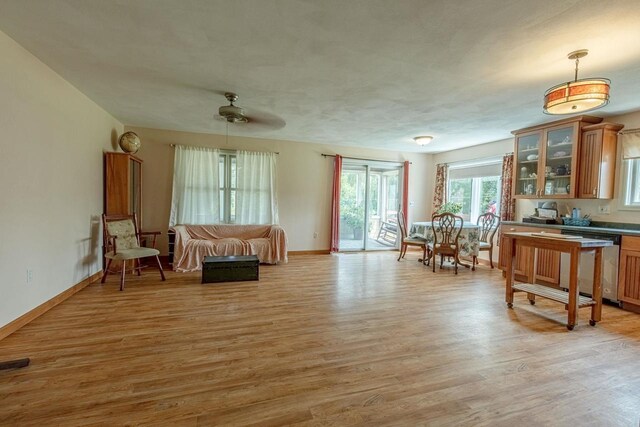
x=509 y=305
x=570 y=327
x=532 y=302
x=592 y=322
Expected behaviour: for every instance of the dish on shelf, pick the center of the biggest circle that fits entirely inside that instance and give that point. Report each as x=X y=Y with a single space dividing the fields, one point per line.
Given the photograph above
x=560 y=154
x=561 y=190
x=531 y=157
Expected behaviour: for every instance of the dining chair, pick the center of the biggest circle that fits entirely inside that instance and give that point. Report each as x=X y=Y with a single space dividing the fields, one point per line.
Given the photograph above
x=406 y=240
x=122 y=243
x=488 y=223
x=446 y=229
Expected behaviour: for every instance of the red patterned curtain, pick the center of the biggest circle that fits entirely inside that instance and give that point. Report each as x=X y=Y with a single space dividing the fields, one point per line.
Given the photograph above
x=507 y=201
x=440 y=192
x=405 y=192
x=335 y=205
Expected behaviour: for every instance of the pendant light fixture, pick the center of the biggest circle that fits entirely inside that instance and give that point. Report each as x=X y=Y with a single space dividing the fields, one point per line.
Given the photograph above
x=579 y=95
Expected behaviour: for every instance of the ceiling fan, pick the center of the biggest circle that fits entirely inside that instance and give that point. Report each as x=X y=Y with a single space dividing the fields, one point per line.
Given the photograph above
x=233 y=114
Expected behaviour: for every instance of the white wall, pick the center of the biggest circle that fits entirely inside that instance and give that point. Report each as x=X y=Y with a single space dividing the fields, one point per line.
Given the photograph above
x=52 y=139
x=304 y=181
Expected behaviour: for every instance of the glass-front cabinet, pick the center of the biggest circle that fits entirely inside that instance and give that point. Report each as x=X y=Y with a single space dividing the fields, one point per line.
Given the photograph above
x=546 y=159
x=527 y=164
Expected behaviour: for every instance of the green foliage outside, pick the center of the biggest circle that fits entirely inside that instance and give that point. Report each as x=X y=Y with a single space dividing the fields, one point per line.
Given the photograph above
x=450 y=207
x=460 y=193
x=489 y=192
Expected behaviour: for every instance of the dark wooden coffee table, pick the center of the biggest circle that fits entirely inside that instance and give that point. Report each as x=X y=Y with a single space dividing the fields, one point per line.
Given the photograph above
x=232 y=268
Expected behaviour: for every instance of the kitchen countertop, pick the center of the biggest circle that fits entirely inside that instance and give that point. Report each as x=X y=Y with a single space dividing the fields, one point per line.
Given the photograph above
x=621 y=229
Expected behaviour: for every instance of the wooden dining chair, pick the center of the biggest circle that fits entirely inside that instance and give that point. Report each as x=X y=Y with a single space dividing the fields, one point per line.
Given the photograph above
x=122 y=243
x=446 y=229
x=488 y=224
x=406 y=240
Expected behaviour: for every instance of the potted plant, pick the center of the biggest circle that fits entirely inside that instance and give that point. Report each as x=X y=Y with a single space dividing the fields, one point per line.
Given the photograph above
x=450 y=207
x=353 y=216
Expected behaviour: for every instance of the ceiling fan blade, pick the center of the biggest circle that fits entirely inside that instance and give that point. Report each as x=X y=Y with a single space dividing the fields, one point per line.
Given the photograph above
x=264 y=120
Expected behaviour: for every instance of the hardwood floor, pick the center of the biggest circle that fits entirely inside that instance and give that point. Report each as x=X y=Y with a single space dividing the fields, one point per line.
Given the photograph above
x=354 y=339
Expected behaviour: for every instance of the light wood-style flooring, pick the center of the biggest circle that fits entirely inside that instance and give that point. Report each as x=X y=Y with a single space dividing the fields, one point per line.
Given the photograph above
x=353 y=339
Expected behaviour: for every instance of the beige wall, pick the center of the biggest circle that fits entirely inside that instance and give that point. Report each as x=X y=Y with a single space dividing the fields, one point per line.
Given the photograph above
x=50 y=181
x=304 y=181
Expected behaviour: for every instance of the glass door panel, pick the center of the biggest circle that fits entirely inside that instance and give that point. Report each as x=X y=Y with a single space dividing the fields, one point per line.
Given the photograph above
x=559 y=156
x=353 y=185
x=382 y=212
x=527 y=160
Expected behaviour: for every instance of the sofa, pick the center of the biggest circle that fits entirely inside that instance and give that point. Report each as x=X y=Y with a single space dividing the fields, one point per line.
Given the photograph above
x=194 y=242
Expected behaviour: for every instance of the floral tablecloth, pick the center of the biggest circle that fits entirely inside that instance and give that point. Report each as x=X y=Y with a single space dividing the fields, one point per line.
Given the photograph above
x=469 y=239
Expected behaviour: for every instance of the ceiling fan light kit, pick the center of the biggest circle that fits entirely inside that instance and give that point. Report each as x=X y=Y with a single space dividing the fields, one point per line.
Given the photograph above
x=232 y=113
x=577 y=96
x=423 y=140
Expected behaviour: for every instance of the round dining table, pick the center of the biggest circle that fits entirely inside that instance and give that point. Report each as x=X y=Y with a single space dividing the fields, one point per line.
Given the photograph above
x=468 y=241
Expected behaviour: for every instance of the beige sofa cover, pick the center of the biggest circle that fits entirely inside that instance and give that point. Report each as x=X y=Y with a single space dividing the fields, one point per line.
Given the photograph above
x=194 y=242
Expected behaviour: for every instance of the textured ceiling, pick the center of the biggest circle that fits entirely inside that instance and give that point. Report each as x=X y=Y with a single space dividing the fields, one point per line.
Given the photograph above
x=370 y=73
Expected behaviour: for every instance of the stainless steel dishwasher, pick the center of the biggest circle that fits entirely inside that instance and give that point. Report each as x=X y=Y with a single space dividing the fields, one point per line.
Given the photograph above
x=610 y=257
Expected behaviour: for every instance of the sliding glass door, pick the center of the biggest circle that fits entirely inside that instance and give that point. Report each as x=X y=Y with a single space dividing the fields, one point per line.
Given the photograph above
x=369 y=202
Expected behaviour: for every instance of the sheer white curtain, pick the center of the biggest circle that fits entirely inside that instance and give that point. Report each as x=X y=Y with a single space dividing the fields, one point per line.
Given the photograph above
x=256 y=188
x=196 y=189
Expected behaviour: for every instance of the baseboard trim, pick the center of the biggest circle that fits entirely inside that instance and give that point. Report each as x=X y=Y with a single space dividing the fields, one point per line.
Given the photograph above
x=315 y=252
x=31 y=315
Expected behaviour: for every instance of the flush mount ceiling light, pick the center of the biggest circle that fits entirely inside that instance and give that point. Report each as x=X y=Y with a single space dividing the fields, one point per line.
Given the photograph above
x=579 y=95
x=423 y=140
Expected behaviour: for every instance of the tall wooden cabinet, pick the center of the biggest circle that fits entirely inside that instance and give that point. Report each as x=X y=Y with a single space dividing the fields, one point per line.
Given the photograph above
x=598 y=161
x=629 y=272
x=122 y=184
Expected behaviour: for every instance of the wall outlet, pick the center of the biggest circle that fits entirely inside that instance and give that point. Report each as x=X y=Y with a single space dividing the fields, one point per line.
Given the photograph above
x=411 y=204
x=604 y=209
x=315 y=234
x=29 y=275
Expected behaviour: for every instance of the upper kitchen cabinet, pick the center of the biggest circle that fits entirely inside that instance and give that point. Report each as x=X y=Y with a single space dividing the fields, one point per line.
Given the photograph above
x=598 y=152
x=546 y=158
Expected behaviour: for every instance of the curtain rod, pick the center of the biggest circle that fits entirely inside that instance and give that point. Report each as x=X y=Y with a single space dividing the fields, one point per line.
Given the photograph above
x=369 y=160
x=623 y=132
x=223 y=149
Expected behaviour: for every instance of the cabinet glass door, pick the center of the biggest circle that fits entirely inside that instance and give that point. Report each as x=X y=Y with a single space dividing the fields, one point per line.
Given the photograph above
x=559 y=161
x=527 y=159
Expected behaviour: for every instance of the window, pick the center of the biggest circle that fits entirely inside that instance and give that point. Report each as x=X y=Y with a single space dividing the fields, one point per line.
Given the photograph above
x=476 y=187
x=211 y=186
x=631 y=184
x=228 y=186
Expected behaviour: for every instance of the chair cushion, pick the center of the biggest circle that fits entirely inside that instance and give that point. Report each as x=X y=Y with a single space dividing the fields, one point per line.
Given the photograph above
x=430 y=245
x=485 y=245
x=125 y=233
x=415 y=240
x=132 y=253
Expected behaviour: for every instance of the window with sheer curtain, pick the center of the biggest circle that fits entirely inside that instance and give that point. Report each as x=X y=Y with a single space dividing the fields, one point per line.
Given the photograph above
x=211 y=186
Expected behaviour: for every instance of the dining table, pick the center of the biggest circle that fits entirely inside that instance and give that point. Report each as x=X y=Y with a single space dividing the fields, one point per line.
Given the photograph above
x=468 y=241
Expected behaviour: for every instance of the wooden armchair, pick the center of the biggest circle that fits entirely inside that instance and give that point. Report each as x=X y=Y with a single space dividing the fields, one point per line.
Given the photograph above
x=406 y=240
x=488 y=224
x=122 y=243
x=446 y=229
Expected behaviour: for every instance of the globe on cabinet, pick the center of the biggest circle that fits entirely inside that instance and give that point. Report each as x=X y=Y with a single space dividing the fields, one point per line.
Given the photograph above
x=129 y=142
